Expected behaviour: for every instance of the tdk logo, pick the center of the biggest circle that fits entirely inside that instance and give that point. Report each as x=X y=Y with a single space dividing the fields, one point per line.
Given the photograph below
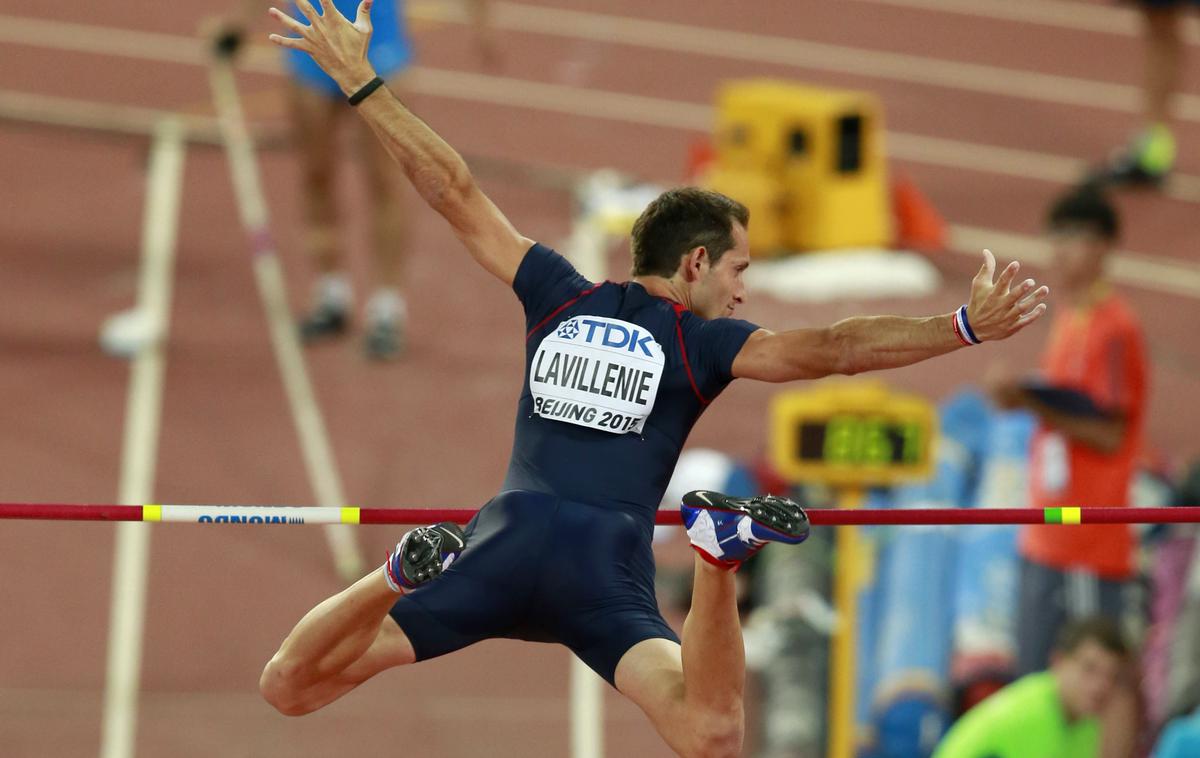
x=569 y=330
x=606 y=334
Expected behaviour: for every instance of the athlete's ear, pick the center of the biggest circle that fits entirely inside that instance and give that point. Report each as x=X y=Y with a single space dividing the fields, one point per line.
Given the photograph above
x=695 y=263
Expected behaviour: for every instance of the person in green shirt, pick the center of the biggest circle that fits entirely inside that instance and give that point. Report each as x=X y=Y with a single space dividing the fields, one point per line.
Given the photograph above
x=1049 y=714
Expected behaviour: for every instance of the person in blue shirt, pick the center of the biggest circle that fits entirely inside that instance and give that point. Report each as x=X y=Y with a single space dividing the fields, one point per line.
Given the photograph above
x=317 y=110
x=615 y=376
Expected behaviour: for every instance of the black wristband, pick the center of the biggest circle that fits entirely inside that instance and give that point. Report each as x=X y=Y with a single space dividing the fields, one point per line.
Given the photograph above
x=365 y=91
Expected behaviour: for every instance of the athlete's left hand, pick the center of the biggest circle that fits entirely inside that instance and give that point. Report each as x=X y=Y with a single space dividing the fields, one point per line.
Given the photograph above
x=997 y=310
x=337 y=45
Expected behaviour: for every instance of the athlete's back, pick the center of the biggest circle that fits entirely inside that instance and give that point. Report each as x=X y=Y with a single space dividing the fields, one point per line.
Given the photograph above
x=614 y=380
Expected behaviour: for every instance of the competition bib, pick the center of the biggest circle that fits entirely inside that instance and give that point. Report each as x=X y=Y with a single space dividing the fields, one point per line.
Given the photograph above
x=597 y=372
x=1055 y=463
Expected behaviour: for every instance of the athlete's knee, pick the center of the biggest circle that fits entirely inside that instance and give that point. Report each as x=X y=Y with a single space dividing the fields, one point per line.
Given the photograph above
x=716 y=734
x=280 y=686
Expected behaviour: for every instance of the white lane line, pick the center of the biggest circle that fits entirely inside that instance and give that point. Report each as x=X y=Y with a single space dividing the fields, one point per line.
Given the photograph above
x=652 y=111
x=1106 y=19
x=109 y=118
x=102 y=40
x=561 y=98
x=1133 y=269
x=1005 y=161
x=816 y=56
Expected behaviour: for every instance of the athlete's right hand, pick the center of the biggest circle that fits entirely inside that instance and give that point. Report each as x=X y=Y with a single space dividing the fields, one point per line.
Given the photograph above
x=337 y=45
x=999 y=309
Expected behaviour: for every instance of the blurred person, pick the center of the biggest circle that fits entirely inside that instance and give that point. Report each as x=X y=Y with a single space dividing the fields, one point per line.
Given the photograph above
x=1150 y=155
x=1090 y=403
x=1048 y=713
x=616 y=375
x=316 y=110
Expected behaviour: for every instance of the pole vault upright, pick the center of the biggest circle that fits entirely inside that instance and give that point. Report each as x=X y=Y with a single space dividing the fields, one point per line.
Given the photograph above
x=319 y=461
x=139 y=452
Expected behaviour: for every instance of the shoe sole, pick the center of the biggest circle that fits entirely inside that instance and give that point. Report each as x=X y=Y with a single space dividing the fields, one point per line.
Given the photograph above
x=775 y=515
x=436 y=538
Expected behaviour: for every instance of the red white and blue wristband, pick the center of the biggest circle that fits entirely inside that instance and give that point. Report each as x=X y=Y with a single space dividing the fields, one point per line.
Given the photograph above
x=962 y=327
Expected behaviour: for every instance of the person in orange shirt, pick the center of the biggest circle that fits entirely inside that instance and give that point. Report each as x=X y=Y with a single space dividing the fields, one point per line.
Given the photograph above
x=1090 y=400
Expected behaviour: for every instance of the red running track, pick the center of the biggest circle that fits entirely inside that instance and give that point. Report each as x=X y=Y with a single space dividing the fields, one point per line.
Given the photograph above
x=435 y=428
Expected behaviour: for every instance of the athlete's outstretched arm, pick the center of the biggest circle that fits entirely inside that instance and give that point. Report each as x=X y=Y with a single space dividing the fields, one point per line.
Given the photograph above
x=435 y=169
x=996 y=310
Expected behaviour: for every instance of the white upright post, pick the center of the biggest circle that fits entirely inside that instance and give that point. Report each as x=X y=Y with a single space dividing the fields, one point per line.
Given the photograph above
x=140 y=448
x=587 y=711
x=319 y=462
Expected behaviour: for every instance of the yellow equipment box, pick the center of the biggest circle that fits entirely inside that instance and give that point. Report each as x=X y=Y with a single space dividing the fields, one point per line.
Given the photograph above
x=763 y=196
x=824 y=147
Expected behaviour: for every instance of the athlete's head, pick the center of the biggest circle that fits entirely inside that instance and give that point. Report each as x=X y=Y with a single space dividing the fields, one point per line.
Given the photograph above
x=1087 y=662
x=697 y=239
x=1083 y=228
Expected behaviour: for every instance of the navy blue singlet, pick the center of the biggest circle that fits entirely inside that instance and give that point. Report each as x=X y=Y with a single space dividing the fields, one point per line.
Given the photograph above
x=552 y=451
x=614 y=380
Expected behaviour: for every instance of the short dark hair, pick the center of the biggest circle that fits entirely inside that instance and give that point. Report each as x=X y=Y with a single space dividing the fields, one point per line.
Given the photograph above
x=1102 y=631
x=1084 y=208
x=680 y=220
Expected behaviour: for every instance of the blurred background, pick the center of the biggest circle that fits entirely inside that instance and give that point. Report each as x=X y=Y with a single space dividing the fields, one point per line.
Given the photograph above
x=881 y=144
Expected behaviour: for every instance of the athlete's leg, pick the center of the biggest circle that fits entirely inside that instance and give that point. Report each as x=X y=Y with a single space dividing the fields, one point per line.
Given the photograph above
x=693 y=693
x=1150 y=155
x=338 y=645
x=351 y=636
x=314 y=120
x=1163 y=34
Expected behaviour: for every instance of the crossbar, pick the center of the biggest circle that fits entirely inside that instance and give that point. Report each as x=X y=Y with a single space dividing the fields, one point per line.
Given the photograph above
x=299 y=515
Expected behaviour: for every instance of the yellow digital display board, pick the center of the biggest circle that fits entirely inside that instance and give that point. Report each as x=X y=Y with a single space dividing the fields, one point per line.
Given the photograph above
x=852 y=434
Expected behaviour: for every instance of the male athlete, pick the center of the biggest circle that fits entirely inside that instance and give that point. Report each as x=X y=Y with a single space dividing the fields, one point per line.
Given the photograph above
x=616 y=374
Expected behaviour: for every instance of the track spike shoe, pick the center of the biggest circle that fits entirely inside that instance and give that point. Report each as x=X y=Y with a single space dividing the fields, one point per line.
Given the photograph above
x=727 y=530
x=422 y=555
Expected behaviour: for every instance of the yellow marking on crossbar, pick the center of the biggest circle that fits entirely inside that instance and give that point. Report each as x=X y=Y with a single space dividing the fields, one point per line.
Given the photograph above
x=151 y=513
x=1071 y=516
x=349 y=515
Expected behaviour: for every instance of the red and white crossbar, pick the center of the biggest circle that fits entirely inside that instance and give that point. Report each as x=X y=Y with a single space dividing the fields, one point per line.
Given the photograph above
x=272 y=514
